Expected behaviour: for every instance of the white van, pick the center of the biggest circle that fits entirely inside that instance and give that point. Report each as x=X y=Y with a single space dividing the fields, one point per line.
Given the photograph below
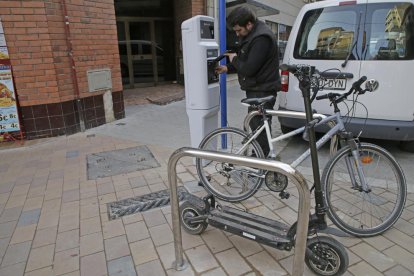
x=364 y=38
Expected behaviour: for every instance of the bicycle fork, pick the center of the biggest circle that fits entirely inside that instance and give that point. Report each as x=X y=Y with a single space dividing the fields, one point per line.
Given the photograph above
x=354 y=162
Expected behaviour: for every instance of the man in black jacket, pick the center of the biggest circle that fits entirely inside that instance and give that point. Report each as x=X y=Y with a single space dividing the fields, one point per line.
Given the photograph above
x=256 y=62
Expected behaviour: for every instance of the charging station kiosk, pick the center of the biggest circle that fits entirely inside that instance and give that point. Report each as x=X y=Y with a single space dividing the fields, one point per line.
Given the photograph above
x=202 y=91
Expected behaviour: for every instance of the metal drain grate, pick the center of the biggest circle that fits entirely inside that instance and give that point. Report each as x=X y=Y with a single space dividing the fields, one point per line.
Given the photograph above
x=143 y=203
x=121 y=161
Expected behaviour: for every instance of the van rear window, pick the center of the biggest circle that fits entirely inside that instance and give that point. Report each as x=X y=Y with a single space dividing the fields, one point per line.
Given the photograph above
x=377 y=31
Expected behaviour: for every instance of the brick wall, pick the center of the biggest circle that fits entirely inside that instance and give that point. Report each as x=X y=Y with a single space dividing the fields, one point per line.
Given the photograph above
x=38 y=48
x=46 y=85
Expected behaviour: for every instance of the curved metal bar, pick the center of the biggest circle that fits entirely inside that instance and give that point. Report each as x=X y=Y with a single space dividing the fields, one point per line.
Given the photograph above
x=270 y=165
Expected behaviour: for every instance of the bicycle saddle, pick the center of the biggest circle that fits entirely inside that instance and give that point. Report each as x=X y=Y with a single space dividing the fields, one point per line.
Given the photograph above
x=258 y=101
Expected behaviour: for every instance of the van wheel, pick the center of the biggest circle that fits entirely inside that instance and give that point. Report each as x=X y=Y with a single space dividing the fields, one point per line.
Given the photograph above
x=285 y=129
x=407 y=146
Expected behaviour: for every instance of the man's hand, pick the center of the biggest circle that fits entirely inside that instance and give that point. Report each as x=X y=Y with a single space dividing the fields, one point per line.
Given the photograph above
x=221 y=69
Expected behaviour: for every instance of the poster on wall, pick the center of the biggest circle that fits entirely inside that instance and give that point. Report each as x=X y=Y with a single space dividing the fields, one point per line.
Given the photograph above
x=9 y=119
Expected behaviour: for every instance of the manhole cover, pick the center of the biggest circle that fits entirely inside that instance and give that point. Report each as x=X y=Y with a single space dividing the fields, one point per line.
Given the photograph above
x=143 y=203
x=121 y=161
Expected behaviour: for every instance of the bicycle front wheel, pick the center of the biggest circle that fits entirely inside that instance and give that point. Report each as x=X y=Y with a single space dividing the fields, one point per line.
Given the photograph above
x=359 y=211
x=227 y=181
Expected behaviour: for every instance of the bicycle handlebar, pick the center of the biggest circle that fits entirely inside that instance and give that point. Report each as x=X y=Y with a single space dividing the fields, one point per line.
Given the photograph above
x=337 y=98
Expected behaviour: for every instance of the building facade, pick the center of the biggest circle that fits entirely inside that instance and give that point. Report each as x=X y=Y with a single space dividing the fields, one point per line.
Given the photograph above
x=72 y=59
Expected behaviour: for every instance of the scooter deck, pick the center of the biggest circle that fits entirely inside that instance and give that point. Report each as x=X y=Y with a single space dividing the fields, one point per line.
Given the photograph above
x=258 y=228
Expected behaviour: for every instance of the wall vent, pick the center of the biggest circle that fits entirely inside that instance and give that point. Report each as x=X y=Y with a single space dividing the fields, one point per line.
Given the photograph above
x=99 y=80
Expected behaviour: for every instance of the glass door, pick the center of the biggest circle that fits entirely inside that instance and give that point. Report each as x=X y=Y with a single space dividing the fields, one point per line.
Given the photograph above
x=142 y=52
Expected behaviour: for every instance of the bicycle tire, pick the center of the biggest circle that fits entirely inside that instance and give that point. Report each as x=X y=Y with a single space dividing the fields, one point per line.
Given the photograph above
x=375 y=211
x=227 y=181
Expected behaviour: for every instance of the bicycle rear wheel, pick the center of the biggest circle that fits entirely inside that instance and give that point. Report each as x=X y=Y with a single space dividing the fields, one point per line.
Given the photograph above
x=364 y=213
x=227 y=181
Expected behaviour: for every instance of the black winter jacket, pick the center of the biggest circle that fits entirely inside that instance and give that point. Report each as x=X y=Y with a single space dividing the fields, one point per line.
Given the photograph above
x=267 y=78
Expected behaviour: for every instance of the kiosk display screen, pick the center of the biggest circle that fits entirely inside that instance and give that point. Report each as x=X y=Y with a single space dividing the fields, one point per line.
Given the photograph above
x=206 y=29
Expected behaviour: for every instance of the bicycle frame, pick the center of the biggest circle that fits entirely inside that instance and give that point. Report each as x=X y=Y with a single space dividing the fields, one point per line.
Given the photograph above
x=336 y=128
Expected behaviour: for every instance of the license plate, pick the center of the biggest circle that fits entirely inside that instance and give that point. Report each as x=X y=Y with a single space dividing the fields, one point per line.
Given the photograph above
x=333 y=84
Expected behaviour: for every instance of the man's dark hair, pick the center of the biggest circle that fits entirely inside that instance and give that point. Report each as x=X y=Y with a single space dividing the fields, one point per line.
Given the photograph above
x=241 y=16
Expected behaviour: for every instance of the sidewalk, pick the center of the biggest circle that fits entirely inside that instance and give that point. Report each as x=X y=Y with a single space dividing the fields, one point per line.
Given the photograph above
x=54 y=221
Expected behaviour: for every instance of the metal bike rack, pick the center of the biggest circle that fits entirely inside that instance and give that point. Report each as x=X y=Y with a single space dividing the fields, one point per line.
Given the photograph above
x=270 y=165
x=290 y=114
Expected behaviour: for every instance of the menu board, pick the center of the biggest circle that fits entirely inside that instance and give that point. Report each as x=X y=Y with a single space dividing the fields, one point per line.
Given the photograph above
x=9 y=118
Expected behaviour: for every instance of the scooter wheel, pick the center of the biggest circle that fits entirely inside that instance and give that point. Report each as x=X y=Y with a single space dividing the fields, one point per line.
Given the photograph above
x=329 y=256
x=189 y=211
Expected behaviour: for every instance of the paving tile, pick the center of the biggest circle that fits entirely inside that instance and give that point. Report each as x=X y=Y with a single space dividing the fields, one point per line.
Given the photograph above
x=246 y=247
x=113 y=228
x=153 y=268
x=48 y=219
x=154 y=218
x=401 y=256
x=265 y=264
x=20 y=190
x=161 y=234
x=91 y=243
x=29 y=217
x=47 y=271
x=45 y=236
x=400 y=238
x=167 y=254
x=13 y=270
x=122 y=267
x=4 y=243
x=116 y=247
x=215 y=272
x=16 y=253
x=91 y=225
x=7 y=229
x=362 y=268
x=138 y=181
x=379 y=242
x=33 y=203
x=398 y=271
x=373 y=257
x=10 y=214
x=136 y=231
x=89 y=211
x=66 y=261
x=201 y=258
x=15 y=201
x=106 y=188
x=132 y=218
x=141 y=256
x=71 y=195
x=6 y=187
x=232 y=262
x=67 y=240
x=40 y=257
x=23 y=233
x=93 y=265
x=4 y=197
x=141 y=191
x=190 y=241
x=68 y=222
x=216 y=240
x=271 y=202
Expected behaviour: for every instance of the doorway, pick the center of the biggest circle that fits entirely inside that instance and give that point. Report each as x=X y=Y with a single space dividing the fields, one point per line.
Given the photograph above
x=146 y=49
